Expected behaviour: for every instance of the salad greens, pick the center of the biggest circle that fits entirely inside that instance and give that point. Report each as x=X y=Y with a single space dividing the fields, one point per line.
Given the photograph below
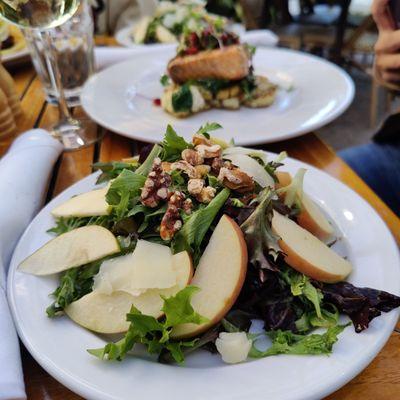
x=155 y=334
x=290 y=304
x=287 y=342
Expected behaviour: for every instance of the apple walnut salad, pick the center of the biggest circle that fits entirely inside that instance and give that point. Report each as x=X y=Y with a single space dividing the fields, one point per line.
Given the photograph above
x=185 y=246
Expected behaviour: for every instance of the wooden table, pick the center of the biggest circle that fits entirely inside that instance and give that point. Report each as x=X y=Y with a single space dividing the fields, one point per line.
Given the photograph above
x=381 y=380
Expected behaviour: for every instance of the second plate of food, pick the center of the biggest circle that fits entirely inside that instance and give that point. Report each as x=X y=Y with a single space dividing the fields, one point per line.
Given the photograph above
x=312 y=92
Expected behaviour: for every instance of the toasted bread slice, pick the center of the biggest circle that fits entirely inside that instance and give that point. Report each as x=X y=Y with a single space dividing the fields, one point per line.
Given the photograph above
x=230 y=63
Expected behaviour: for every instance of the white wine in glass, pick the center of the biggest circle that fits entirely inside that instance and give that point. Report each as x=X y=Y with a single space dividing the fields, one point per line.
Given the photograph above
x=42 y=15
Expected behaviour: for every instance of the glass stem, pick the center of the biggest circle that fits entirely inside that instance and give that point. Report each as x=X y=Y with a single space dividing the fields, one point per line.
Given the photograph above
x=55 y=75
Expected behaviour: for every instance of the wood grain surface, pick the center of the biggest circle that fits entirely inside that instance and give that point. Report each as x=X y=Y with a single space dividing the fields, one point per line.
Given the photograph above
x=381 y=380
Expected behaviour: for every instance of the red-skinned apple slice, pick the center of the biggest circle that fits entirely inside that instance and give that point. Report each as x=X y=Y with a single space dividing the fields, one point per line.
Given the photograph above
x=310 y=217
x=220 y=276
x=307 y=254
x=106 y=313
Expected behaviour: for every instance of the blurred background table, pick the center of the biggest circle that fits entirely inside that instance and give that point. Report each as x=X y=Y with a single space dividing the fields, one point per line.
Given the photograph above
x=381 y=380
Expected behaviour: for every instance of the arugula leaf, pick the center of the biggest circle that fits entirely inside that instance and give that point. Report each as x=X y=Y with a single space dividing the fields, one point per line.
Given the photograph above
x=194 y=229
x=286 y=342
x=146 y=166
x=173 y=145
x=164 y=80
x=207 y=128
x=260 y=239
x=75 y=283
x=154 y=334
x=64 y=225
x=122 y=190
x=111 y=170
x=182 y=100
x=149 y=214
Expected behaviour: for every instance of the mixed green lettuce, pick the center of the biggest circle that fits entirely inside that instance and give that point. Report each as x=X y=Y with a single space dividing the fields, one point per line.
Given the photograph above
x=291 y=305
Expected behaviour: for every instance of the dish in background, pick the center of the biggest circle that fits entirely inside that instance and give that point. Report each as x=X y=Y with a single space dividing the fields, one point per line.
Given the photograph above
x=12 y=43
x=121 y=98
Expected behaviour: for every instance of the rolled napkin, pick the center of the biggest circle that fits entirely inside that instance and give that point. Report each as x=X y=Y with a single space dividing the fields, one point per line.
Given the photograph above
x=24 y=177
x=260 y=38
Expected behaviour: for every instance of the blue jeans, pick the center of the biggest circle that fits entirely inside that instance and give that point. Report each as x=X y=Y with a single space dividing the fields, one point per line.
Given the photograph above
x=379 y=166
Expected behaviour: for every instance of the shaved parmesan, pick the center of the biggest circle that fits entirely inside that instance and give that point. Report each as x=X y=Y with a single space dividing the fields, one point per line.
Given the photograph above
x=148 y=267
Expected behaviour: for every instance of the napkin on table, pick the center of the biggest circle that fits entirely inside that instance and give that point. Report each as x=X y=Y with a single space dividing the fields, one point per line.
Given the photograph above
x=24 y=175
x=260 y=38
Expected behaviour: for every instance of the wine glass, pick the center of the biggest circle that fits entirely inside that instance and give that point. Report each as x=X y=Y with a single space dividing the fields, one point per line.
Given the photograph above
x=43 y=15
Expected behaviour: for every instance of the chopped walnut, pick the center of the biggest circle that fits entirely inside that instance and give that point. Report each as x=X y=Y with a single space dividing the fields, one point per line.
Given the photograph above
x=192 y=157
x=202 y=170
x=236 y=179
x=195 y=186
x=216 y=165
x=184 y=166
x=206 y=194
x=187 y=206
x=166 y=166
x=155 y=188
x=171 y=221
x=209 y=151
x=200 y=139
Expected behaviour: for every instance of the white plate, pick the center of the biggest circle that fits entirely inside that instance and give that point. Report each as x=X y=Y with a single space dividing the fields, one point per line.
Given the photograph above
x=124 y=38
x=121 y=99
x=59 y=345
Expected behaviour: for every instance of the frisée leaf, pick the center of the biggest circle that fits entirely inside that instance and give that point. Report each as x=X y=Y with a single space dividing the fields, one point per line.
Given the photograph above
x=261 y=241
x=286 y=342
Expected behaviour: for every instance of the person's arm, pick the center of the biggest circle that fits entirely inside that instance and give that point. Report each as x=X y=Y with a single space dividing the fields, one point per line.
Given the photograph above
x=387 y=48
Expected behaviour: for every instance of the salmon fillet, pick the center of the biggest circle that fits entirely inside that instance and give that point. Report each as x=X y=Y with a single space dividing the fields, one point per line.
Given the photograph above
x=230 y=63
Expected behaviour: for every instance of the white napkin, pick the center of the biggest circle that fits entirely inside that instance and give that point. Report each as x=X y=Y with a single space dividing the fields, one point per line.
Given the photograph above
x=24 y=175
x=260 y=38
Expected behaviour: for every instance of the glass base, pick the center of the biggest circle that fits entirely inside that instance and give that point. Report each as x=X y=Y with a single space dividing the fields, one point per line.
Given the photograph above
x=76 y=134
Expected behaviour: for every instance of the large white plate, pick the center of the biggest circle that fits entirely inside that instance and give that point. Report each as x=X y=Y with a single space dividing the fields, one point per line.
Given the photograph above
x=59 y=345
x=121 y=99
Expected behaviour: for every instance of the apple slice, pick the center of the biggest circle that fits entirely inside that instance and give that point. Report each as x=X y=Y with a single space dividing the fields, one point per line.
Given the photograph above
x=307 y=254
x=106 y=313
x=252 y=168
x=90 y=204
x=220 y=276
x=310 y=216
x=72 y=249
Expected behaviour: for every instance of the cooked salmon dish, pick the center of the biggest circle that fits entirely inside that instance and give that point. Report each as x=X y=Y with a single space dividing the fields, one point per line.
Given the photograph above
x=213 y=69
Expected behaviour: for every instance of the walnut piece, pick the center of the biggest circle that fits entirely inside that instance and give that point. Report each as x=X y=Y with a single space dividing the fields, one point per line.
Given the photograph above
x=202 y=170
x=209 y=151
x=155 y=188
x=171 y=221
x=185 y=167
x=206 y=194
x=166 y=166
x=200 y=139
x=195 y=186
x=216 y=165
x=192 y=157
x=236 y=179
